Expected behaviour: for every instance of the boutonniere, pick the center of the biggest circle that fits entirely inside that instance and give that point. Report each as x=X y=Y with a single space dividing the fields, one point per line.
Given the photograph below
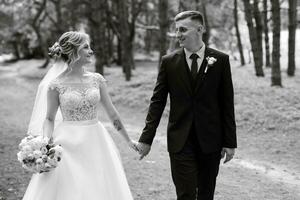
x=210 y=62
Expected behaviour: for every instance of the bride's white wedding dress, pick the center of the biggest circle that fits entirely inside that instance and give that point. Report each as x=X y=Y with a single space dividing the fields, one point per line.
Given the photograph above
x=90 y=168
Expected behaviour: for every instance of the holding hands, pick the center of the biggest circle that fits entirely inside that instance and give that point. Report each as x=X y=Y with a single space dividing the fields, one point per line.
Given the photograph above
x=133 y=144
x=142 y=148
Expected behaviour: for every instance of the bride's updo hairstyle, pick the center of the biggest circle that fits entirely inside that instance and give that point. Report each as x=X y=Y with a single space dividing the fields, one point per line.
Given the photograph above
x=68 y=45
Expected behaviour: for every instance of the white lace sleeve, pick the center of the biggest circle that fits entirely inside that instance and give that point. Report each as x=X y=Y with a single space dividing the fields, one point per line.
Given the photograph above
x=100 y=79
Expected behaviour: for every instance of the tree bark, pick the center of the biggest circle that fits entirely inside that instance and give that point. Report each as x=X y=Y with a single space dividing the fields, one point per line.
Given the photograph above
x=181 y=6
x=136 y=8
x=259 y=31
x=206 y=35
x=266 y=34
x=253 y=39
x=163 y=25
x=59 y=21
x=125 y=38
x=97 y=23
x=292 y=34
x=36 y=23
x=276 y=74
x=149 y=33
x=236 y=24
x=119 y=53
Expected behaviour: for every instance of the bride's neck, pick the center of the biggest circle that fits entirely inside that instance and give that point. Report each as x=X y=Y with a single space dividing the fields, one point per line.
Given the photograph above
x=76 y=69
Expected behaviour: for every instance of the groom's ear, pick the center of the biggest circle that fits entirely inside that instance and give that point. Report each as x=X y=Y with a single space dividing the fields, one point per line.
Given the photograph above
x=201 y=28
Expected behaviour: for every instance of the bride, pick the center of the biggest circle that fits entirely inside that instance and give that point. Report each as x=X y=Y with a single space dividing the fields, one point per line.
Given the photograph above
x=90 y=168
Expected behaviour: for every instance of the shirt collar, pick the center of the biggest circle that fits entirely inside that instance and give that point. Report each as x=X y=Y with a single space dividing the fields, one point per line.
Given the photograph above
x=200 y=52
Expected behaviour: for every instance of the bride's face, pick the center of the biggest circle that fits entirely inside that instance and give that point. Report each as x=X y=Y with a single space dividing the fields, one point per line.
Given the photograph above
x=85 y=53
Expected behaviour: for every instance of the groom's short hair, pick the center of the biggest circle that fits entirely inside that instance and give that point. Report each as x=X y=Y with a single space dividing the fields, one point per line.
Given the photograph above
x=192 y=14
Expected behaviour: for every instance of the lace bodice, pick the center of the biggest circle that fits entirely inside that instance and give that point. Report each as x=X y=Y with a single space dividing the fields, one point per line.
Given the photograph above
x=78 y=101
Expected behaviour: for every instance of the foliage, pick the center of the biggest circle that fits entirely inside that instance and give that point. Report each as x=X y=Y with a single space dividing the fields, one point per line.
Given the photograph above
x=29 y=27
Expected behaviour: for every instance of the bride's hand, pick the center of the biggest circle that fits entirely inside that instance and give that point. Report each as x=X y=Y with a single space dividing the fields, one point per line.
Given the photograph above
x=133 y=144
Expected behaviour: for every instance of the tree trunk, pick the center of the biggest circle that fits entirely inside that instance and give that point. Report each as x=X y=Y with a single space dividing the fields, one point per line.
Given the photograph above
x=59 y=25
x=148 y=34
x=259 y=31
x=266 y=33
x=110 y=46
x=16 y=50
x=239 y=42
x=181 y=6
x=43 y=46
x=131 y=53
x=125 y=38
x=45 y=63
x=276 y=74
x=36 y=23
x=148 y=41
x=119 y=53
x=131 y=44
x=253 y=39
x=163 y=27
x=99 y=46
x=97 y=23
x=206 y=35
x=73 y=15
x=292 y=34
x=135 y=10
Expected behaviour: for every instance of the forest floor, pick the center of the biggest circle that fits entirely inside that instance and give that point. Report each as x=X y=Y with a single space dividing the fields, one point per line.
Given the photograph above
x=266 y=165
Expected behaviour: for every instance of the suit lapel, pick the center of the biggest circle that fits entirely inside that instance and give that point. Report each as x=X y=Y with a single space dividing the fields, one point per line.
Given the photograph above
x=183 y=70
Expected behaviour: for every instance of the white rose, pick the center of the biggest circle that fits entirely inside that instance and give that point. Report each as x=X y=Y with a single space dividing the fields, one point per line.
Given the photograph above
x=23 y=142
x=30 y=156
x=47 y=166
x=211 y=60
x=38 y=168
x=44 y=158
x=39 y=161
x=52 y=162
x=20 y=156
x=37 y=154
x=58 y=150
x=29 y=137
x=44 y=150
x=27 y=148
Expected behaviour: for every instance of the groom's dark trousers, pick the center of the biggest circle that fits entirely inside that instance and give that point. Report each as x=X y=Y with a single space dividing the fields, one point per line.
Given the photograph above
x=201 y=120
x=194 y=172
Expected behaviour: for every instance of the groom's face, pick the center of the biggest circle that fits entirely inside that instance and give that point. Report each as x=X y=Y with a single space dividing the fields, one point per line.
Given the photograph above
x=189 y=34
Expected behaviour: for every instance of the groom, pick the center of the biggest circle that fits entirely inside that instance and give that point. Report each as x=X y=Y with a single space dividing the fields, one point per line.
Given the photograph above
x=201 y=128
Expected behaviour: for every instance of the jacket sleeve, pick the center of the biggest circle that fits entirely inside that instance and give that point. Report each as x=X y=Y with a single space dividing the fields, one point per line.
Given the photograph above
x=227 y=106
x=157 y=105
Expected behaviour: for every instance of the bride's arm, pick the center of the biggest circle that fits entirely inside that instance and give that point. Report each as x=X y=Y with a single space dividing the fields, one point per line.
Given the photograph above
x=112 y=112
x=52 y=106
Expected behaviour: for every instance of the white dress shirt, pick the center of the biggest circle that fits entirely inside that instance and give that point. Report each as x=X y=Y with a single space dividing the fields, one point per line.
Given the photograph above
x=200 y=53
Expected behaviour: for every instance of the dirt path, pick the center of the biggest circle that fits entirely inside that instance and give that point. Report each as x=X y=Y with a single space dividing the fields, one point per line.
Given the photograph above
x=249 y=176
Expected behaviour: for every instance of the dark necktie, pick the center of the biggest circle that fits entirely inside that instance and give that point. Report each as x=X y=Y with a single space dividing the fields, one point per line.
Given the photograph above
x=194 y=67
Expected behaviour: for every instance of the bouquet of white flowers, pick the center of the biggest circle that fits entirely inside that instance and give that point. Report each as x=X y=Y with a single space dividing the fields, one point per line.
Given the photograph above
x=38 y=154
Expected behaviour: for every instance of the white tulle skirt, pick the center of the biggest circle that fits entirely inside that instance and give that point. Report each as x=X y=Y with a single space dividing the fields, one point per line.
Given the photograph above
x=90 y=169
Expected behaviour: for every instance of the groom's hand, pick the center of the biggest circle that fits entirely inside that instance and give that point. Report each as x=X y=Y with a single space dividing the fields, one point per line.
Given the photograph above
x=143 y=149
x=133 y=144
x=229 y=152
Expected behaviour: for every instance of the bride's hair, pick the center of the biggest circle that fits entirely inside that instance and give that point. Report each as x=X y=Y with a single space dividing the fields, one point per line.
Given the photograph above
x=68 y=45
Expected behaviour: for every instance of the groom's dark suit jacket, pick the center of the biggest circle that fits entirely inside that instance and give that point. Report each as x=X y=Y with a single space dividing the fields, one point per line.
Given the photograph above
x=208 y=104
